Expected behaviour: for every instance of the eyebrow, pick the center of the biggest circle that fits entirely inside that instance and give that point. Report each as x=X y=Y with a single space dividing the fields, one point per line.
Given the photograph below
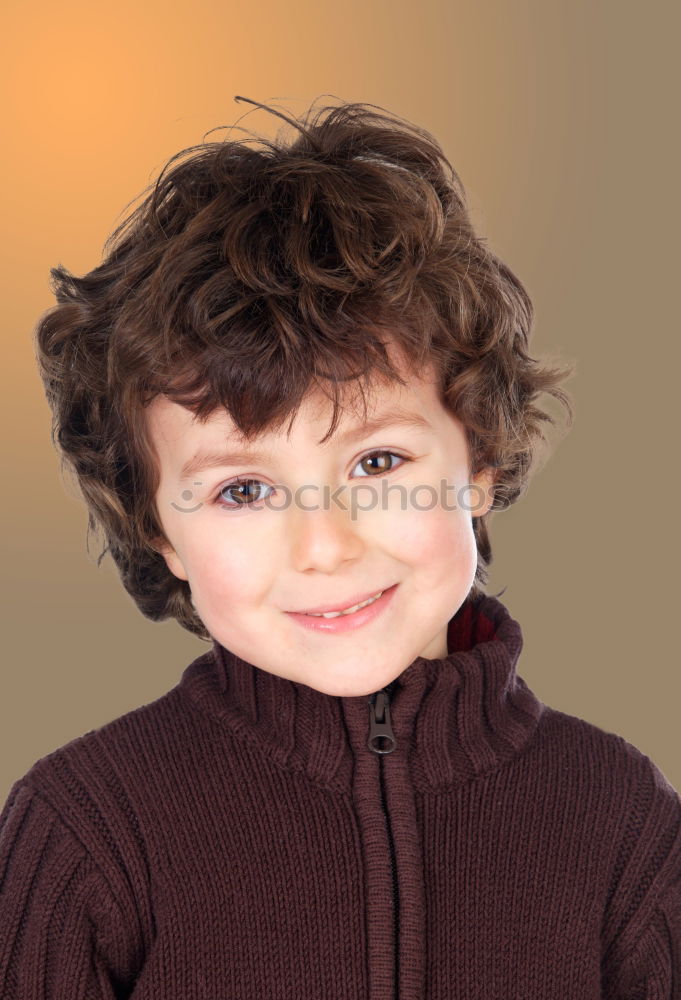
x=215 y=459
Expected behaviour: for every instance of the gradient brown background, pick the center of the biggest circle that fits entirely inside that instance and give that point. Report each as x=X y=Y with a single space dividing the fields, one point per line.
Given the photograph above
x=561 y=118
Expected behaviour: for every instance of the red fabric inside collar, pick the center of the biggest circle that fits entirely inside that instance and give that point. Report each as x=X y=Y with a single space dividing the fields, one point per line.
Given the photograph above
x=468 y=627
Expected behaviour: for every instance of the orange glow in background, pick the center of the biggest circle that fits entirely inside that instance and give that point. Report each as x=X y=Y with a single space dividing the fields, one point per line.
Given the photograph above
x=558 y=117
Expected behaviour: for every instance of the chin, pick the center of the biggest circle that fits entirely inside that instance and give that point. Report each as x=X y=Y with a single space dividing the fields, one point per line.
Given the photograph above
x=344 y=687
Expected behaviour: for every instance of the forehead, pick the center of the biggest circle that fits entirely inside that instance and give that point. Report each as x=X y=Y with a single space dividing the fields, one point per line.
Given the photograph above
x=171 y=425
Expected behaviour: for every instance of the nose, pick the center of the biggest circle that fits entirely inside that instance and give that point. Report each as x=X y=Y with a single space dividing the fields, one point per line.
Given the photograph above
x=323 y=538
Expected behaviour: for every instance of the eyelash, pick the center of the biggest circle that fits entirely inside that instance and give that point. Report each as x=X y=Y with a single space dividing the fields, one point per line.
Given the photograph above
x=240 y=480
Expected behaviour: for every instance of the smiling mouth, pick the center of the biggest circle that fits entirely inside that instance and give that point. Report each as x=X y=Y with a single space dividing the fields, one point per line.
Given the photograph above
x=358 y=615
x=347 y=611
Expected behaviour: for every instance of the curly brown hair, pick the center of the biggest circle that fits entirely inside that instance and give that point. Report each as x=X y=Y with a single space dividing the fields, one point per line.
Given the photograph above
x=245 y=276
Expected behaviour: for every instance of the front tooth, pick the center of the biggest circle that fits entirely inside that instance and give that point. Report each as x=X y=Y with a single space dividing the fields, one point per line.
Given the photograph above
x=348 y=611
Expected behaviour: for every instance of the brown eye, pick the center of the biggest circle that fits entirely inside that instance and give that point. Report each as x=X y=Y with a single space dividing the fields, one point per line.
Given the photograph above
x=378 y=462
x=250 y=491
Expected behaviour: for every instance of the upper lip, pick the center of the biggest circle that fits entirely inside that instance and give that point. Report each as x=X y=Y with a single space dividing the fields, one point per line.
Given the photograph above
x=340 y=607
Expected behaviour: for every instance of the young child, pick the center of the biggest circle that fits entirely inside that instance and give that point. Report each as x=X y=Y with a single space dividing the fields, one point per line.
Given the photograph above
x=352 y=793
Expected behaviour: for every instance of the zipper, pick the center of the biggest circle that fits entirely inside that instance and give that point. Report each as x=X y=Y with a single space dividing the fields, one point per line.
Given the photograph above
x=380 y=729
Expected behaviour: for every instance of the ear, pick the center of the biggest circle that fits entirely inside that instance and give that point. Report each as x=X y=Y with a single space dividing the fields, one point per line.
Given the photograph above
x=482 y=498
x=171 y=557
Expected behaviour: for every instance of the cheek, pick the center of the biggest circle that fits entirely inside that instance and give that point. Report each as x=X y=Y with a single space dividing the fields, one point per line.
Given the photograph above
x=436 y=537
x=234 y=570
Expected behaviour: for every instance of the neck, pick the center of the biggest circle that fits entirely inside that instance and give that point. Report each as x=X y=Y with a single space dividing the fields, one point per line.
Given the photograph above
x=456 y=717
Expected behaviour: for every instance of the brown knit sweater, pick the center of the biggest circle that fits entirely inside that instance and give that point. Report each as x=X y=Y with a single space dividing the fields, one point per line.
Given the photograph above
x=240 y=838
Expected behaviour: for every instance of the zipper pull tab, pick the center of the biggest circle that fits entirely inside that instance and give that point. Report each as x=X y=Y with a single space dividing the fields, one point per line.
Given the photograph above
x=380 y=728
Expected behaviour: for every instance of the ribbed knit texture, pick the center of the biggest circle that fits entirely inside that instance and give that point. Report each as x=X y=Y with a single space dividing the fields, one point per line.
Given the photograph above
x=237 y=839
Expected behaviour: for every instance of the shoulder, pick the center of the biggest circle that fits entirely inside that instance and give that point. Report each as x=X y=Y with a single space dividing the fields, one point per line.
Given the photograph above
x=107 y=762
x=96 y=781
x=153 y=730
x=608 y=760
x=628 y=807
x=104 y=790
x=627 y=812
x=94 y=789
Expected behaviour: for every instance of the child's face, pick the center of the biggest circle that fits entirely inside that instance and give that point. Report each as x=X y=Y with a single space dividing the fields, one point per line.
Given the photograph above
x=247 y=566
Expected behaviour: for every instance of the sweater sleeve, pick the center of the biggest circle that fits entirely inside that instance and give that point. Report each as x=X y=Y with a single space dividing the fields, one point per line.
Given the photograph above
x=652 y=969
x=61 y=930
x=644 y=959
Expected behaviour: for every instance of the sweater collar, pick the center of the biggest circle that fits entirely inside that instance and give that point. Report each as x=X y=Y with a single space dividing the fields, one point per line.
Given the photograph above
x=457 y=716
